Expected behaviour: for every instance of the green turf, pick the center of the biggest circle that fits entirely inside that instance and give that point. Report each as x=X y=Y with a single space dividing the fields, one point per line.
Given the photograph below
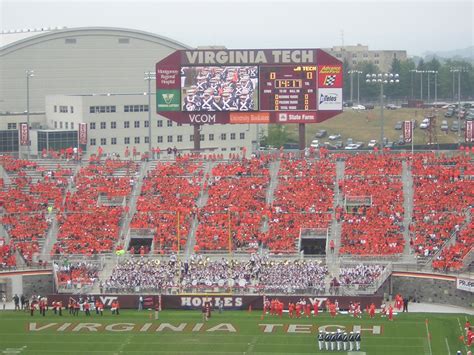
x=406 y=335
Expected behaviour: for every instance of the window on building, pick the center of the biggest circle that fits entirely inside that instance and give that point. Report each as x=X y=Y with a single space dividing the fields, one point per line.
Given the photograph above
x=159 y=139
x=223 y=136
x=72 y=125
x=338 y=55
x=63 y=109
x=55 y=108
x=223 y=149
x=102 y=109
x=147 y=124
x=242 y=135
x=191 y=137
x=169 y=139
x=147 y=139
x=113 y=125
x=179 y=138
x=11 y=125
x=66 y=125
x=126 y=124
x=376 y=61
x=233 y=149
x=146 y=108
x=354 y=55
x=136 y=124
x=124 y=40
x=136 y=108
x=232 y=136
x=126 y=108
x=72 y=109
x=70 y=41
x=159 y=123
x=354 y=62
x=211 y=136
x=376 y=55
x=137 y=140
x=179 y=124
x=113 y=109
x=113 y=141
x=366 y=55
x=126 y=140
x=56 y=124
x=103 y=125
x=92 y=141
x=60 y=124
x=103 y=141
x=169 y=123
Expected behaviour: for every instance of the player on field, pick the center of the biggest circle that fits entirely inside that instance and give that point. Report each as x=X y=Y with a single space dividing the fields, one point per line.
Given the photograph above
x=321 y=336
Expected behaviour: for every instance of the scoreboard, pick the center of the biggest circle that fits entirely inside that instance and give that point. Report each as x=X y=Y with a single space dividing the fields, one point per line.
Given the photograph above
x=244 y=86
x=288 y=88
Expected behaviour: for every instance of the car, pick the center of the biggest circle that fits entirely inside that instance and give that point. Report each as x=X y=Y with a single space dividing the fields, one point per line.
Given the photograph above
x=321 y=133
x=391 y=107
x=358 y=107
x=372 y=143
x=450 y=112
x=444 y=126
x=389 y=145
x=369 y=107
x=333 y=145
x=399 y=125
x=425 y=123
x=347 y=104
x=470 y=115
x=333 y=137
x=455 y=126
x=401 y=140
x=314 y=143
x=352 y=146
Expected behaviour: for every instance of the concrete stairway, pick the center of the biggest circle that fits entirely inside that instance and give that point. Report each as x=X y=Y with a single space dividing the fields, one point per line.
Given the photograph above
x=407 y=181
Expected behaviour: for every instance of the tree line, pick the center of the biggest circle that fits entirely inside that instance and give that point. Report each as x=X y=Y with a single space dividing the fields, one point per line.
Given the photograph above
x=410 y=83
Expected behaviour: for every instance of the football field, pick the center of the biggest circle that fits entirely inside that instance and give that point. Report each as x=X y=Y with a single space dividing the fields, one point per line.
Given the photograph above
x=232 y=332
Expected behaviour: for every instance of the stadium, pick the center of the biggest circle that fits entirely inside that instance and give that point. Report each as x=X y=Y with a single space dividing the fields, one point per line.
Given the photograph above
x=216 y=251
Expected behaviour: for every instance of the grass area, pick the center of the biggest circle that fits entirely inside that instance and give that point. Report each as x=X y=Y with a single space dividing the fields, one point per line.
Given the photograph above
x=407 y=334
x=365 y=125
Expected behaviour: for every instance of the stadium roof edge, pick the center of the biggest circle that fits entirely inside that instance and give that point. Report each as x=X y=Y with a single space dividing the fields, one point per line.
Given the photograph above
x=88 y=31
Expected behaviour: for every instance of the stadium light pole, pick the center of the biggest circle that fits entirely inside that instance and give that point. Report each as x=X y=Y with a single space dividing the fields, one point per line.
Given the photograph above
x=149 y=76
x=421 y=82
x=458 y=70
x=29 y=74
x=436 y=84
x=382 y=79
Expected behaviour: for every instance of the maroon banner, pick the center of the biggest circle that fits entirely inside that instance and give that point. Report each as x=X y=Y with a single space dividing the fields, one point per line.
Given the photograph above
x=197 y=301
x=407 y=131
x=24 y=134
x=469 y=134
x=82 y=133
x=234 y=302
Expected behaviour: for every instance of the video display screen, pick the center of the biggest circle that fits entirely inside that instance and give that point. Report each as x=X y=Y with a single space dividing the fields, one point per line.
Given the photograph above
x=219 y=88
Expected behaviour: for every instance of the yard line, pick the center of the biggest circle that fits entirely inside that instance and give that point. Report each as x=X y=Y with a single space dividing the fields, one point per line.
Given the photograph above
x=462 y=331
x=447 y=345
x=429 y=337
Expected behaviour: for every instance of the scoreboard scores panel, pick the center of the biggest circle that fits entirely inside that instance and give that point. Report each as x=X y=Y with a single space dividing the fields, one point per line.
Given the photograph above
x=288 y=88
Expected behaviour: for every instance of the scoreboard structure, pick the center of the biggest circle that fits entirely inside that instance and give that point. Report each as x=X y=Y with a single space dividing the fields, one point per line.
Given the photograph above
x=251 y=86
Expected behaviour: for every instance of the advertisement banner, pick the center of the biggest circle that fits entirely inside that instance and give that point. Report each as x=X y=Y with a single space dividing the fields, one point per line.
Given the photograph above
x=82 y=133
x=330 y=99
x=407 y=131
x=469 y=134
x=465 y=284
x=168 y=100
x=235 y=302
x=296 y=117
x=24 y=134
x=330 y=76
x=251 y=117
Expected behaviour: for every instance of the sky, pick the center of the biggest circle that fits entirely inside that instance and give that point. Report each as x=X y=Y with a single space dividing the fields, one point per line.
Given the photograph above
x=417 y=26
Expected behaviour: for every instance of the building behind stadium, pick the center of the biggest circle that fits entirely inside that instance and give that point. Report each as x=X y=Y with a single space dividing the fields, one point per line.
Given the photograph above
x=96 y=76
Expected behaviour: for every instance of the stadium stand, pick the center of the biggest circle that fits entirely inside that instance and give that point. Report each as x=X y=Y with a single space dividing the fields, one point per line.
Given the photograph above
x=373 y=228
x=304 y=199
